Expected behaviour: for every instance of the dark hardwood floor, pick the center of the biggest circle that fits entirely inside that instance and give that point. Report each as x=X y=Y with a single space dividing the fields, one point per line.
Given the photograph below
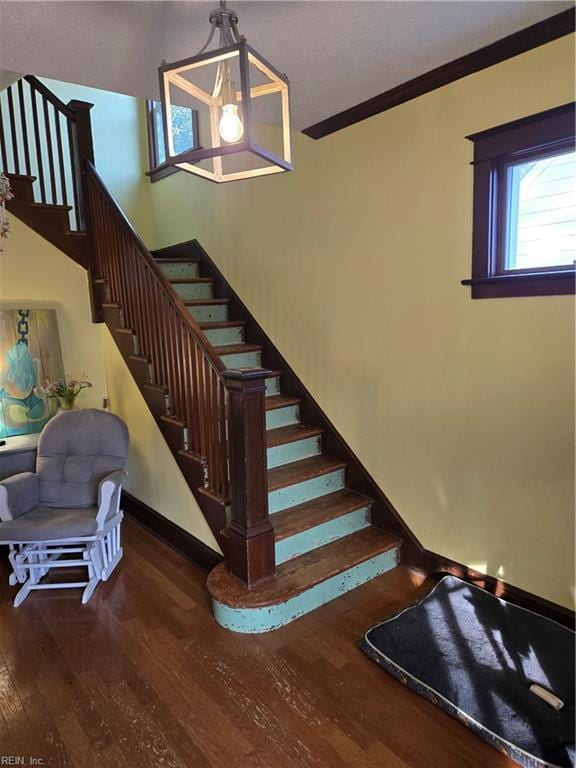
x=143 y=677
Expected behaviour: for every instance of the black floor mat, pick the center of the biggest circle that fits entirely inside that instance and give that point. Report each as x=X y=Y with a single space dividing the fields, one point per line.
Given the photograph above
x=475 y=656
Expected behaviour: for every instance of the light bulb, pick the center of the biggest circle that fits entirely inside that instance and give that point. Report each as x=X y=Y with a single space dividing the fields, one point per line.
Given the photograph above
x=230 y=126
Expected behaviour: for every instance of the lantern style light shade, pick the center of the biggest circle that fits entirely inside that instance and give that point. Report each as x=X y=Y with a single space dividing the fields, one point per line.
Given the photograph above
x=242 y=103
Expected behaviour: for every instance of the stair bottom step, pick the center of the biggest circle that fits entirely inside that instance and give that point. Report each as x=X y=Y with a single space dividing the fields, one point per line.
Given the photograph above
x=302 y=584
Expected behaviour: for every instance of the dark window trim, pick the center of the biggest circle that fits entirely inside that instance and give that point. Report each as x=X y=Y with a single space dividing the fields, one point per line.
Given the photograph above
x=161 y=170
x=157 y=171
x=551 y=132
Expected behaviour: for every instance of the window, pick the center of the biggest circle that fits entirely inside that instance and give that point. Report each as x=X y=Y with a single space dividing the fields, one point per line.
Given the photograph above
x=524 y=228
x=184 y=136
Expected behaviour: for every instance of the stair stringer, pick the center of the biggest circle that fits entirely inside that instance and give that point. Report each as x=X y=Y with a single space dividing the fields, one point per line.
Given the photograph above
x=384 y=516
x=49 y=221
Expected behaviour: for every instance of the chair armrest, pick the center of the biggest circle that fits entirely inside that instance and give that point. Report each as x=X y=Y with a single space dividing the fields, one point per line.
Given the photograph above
x=18 y=495
x=109 y=496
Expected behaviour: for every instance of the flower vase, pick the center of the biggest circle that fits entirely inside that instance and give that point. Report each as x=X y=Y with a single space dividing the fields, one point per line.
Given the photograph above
x=67 y=403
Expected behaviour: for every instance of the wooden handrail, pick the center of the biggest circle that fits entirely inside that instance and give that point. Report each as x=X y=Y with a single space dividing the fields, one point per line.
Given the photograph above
x=181 y=357
x=48 y=140
x=171 y=295
x=39 y=86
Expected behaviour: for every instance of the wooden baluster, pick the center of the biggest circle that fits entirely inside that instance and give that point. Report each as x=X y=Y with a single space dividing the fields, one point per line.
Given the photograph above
x=38 y=142
x=209 y=396
x=251 y=536
x=203 y=409
x=3 y=142
x=12 y=119
x=223 y=439
x=49 y=152
x=197 y=396
x=153 y=312
x=60 y=158
x=24 y=127
x=177 y=326
x=189 y=390
x=73 y=171
x=172 y=357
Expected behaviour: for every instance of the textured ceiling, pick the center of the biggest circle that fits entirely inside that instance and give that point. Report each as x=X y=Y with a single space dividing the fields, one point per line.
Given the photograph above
x=336 y=54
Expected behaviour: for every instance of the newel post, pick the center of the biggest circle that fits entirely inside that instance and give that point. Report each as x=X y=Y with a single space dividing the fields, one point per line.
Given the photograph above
x=83 y=153
x=83 y=149
x=250 y=533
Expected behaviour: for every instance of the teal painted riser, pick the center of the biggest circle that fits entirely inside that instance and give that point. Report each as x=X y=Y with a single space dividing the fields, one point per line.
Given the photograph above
x=299 y=449
x=282 y=417
x=257 y=620
x=179 y=270
x=219 y=337
x=243 y=360
x=303 y=542
x=298 y=493
x=273 y=386
x=193 y=290
x=209 y=313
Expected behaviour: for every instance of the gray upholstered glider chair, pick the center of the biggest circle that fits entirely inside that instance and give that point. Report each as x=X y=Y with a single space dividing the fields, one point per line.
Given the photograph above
x=67 y=513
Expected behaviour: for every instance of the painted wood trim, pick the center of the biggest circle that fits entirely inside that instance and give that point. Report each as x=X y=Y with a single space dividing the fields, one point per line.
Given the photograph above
x=532 y=136
x=507 y=47
x=170 y=533
x=266 y=618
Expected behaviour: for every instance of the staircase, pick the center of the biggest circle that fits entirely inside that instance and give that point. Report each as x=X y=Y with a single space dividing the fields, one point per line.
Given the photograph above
x=324 y=542
x=298 y=517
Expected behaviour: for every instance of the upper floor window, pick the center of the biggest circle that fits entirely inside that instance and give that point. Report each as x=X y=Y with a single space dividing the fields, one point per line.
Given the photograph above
x=184 y=136
x=524 y=238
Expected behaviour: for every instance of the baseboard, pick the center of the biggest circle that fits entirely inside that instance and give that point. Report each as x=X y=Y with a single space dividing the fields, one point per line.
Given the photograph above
x=170 y=533
x=434 y=563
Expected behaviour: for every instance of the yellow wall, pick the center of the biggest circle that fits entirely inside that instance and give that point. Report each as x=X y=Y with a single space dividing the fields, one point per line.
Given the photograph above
x=462 y=410
x=120 y=148
x=33 y=273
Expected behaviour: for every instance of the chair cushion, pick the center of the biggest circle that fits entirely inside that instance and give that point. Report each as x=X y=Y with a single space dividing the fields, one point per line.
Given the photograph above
x=75 y=451
x=49 y=523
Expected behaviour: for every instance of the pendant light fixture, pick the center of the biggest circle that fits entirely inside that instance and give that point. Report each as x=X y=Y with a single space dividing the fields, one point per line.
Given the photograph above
x=242 y=107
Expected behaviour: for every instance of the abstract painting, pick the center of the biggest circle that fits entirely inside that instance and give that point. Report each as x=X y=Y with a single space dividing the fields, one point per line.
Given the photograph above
x=29 y=353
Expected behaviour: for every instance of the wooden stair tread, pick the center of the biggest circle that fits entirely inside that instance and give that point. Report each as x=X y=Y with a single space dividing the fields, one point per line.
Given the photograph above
x=290 y=434
x=309 y=514
x=236 y=349
x=173 y=420
x=52 y=206
x=303 y=572
x=190 y=260
x=184 y=280
x=281 y=401
x=201 y=302
x=156 y=388
x=305 y=469
x=20 y=177
x=222 y=324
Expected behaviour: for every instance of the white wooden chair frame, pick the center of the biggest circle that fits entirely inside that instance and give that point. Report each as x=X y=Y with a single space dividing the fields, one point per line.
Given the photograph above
x=99 y=553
